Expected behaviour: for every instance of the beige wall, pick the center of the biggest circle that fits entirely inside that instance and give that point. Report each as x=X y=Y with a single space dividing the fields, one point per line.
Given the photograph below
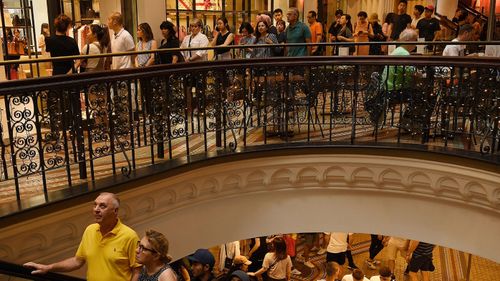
x=152 y=12
x=108 y=7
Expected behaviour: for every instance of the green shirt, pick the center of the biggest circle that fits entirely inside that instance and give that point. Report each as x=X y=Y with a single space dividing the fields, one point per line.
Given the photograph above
x=298 y=33
x=397 y=77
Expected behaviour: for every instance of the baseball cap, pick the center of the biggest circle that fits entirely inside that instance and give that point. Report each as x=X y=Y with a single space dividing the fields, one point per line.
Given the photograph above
x=203 y=256
x=243 y=276
x=429 y=7
x=241 y=260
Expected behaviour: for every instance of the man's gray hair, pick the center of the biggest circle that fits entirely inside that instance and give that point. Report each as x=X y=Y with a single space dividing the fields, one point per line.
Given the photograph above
x=408 y=35
x=295 y=10
x=114 y=197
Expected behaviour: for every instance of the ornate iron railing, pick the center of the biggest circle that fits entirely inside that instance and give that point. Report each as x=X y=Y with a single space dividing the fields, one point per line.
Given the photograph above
x=66 y=130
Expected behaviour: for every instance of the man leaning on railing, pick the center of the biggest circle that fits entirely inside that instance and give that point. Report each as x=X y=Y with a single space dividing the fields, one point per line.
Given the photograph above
x=103 y=244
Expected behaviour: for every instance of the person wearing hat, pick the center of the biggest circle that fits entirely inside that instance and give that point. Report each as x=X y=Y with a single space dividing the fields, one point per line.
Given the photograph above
x=202 y=263
x=240 y=263
x=377 y=36
x=429 y=25
x=152 y=253
x=239 y=275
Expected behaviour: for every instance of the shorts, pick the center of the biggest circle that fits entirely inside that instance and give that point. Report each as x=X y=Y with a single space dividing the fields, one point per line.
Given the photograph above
x=423 y=263
x=393 y=248
x=336 y=257
x=309 y=238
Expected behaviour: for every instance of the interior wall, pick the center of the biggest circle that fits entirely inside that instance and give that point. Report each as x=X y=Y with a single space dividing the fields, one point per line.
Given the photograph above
x=152 y=12
x=107 y=7
x=40 y=12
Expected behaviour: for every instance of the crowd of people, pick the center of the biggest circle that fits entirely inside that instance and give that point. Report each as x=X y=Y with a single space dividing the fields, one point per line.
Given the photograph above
x=267 y=29
x=113 y=251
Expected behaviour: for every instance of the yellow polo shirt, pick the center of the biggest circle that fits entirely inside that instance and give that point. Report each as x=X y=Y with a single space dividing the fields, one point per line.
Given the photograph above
x=109 y=258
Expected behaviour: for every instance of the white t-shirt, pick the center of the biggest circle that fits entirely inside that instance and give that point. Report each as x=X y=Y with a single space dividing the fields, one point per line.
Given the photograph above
x=199 y=40
x=350 y=278
x=454 y=50
x=338 y=242
x=398 y=242
x=492 y=51
x=375 y=278
x=122 y=42
x=276 y=269
x=94 y=50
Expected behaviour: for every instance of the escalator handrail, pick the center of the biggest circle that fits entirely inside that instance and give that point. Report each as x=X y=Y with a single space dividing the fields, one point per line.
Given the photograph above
x=16 y=270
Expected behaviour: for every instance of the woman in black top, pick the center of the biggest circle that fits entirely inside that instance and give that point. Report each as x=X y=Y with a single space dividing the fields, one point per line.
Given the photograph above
x=171 y=41
x=223 y=38
x=377 y=36
x=61 y=45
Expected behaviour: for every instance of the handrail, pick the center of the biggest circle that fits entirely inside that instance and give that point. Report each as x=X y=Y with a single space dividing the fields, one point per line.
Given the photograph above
x=471 y=10
x=16 y=270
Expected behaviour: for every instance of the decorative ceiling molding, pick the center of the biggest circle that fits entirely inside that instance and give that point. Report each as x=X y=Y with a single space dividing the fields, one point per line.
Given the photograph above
x=446 y=204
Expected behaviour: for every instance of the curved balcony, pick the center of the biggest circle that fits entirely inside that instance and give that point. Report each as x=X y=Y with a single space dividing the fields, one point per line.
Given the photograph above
x=62 y=131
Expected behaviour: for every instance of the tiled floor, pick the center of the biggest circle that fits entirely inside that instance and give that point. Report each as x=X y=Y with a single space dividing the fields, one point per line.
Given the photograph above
x=451 y=265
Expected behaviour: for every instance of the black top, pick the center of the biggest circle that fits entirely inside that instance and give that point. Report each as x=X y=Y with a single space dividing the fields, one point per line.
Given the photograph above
x=279 y=52
x=378 y=37
x=273 y=30
x=220 y=40
x=167 y=57
x=59 y=46
x=334 y=29
x=400 y=23
x=427 y=28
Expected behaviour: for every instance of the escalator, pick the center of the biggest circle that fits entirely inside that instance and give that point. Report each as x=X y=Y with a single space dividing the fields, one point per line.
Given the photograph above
x=15 y=272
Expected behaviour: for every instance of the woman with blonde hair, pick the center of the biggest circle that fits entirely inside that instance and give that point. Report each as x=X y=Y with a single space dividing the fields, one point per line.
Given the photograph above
x=152 y=253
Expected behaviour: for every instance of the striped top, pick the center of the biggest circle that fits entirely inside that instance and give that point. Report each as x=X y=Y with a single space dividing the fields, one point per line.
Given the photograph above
x=423 y=249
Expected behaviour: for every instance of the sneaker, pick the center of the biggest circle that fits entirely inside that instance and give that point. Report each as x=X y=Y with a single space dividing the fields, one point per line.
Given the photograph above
x=370 y=264
x=377 y=262
x=352 y=267
x=309 y=264
x=296 y=272
x=321 y=251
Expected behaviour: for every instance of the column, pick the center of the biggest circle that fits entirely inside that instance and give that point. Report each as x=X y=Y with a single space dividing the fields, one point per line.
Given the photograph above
x=446 y=8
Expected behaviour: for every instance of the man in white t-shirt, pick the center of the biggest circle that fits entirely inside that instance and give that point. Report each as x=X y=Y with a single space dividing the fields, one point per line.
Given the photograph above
x=337 y=248
x=121 y=41
x=464 y=34
x=194 y=40
x=384 y=274
x=394 y=245
x=357 y=275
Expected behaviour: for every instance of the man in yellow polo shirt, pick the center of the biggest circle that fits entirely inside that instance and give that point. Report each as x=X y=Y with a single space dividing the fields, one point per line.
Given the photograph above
x=108 y=247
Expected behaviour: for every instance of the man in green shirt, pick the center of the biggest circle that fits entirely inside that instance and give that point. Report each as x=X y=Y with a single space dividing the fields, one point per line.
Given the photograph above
x=297 y=32
x=395 y=78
